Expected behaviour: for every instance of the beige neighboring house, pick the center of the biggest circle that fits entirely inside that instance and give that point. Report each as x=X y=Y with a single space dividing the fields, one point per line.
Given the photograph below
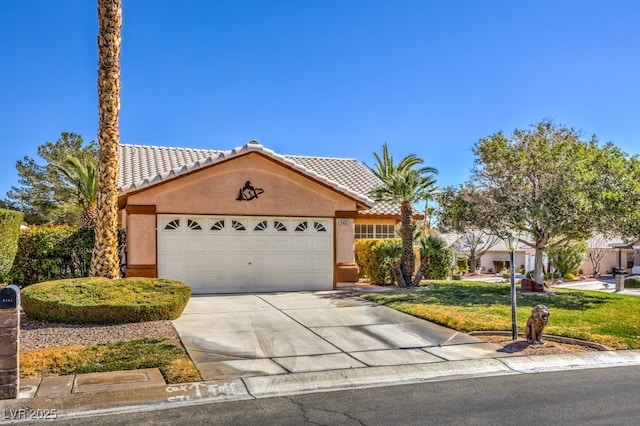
x=247 y=219
x=616 y=253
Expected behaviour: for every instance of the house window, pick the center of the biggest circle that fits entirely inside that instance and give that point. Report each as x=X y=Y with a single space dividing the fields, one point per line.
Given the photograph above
x=319 y=227
x=261 y=226
x=193 y=225
x=238 y=226
x=630 y=258
x=375 y=231
x=174 y=224
x=218 y=225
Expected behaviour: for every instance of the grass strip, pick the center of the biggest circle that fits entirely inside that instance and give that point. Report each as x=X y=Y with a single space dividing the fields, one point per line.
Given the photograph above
x=166 y=354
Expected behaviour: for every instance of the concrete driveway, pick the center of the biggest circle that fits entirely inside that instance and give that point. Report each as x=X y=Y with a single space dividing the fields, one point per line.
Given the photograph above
x=233 y=336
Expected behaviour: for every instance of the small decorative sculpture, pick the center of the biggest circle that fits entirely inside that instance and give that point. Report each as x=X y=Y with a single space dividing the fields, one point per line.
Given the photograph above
x=536 y=323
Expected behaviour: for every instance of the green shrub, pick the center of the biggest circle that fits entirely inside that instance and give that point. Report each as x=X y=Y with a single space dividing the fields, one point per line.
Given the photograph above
x=463 y=266
x=105 y=301
x=387 y=253
x=456 y=277
x=10 y=222
x=551 y=276
x=364 y=258
x=440 y=266
x=375 y=258
x=567 y=258
x=47 y=253
x=569 y=276
x=632 y=281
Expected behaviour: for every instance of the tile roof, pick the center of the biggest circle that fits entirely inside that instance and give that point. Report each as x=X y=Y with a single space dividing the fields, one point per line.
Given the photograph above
x=143 y=166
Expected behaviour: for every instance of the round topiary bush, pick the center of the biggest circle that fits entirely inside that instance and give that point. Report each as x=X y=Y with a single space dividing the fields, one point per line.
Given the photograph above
x=632 y=281
x=105 y=301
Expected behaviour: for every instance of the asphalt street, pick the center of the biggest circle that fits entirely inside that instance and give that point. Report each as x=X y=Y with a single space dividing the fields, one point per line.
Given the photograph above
x=607 y=396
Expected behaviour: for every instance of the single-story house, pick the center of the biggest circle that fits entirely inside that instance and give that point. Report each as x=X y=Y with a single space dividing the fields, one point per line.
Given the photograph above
x=615 y=253
x=248 y=219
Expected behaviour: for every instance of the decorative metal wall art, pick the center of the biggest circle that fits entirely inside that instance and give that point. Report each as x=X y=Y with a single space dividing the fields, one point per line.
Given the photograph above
x=248 y=192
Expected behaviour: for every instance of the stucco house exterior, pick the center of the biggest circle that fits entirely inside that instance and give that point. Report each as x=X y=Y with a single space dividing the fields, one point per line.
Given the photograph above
x=247 y=219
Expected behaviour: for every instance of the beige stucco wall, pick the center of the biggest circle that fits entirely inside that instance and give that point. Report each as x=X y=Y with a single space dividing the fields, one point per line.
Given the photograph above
x=519 y=258
x=344 y=229
x=213 y=191
x=608 y=262
x=141 y=239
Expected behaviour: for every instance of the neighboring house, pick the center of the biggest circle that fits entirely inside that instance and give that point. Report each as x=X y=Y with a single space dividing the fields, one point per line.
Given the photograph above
x=523 y=255
x=616 y=253
x=248 y=219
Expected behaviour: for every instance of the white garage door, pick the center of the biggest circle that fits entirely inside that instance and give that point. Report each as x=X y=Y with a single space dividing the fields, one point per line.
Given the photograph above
x=215 y=254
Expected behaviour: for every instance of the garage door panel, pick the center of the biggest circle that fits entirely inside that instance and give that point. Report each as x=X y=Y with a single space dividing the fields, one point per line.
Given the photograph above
x=320 y=245
x=196 y=244
x=281 y=244
x=196 y=264
x=300 y=244
x=270 y=254
x=170 y=243
x=238 y=243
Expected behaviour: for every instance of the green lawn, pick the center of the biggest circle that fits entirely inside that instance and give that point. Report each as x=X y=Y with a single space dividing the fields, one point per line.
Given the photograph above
x=609 y=319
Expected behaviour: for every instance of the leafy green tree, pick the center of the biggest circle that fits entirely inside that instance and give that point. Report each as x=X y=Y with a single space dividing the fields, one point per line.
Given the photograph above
x=550 y=186
x=10 y=221
x=80 y=174
x=404 y=184
x=42 y=194
x=568 y=257
x=461 y=212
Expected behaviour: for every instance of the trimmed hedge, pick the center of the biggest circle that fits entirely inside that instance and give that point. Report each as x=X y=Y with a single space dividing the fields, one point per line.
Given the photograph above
x=375 y=256
x=105 y=301
x=10 y=221
x=364 y=258
x=632 y=281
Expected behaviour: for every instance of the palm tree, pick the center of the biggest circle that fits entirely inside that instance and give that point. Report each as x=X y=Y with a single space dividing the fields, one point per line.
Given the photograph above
x=405 y=184
x=80 y=174
x=104 y=262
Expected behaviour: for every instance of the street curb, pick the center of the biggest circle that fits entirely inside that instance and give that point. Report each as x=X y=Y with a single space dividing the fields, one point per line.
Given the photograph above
x=550 y=337
x=161 y=397
x=564 y=362
x=356 y=378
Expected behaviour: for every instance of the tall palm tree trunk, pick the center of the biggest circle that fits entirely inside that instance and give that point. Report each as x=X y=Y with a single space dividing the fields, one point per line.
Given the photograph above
x=104 y=262
x=407 y=257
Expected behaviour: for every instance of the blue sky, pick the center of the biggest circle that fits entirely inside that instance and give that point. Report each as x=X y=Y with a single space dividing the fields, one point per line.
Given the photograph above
x=329 y=78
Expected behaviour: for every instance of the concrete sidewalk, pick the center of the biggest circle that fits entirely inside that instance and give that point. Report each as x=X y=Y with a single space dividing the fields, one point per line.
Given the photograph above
x=259 y=346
